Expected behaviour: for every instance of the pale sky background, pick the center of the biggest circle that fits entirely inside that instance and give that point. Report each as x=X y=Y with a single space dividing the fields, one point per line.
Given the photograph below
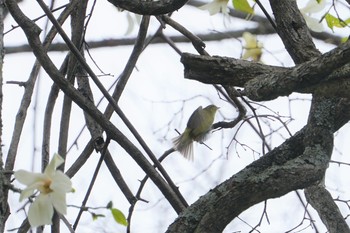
x=153 y=101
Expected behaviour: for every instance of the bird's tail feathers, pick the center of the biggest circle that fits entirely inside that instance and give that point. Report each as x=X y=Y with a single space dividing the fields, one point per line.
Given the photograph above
x=184 y=145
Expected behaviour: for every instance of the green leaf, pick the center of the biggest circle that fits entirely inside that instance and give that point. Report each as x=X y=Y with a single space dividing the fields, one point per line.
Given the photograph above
x=119 y=217
x=333 y=21
x=242 y=5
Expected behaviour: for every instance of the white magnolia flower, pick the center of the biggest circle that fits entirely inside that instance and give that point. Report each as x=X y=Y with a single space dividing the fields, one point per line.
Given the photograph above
x=313 y=6
x=216 y=6
x=253 y=48
x=53 y=185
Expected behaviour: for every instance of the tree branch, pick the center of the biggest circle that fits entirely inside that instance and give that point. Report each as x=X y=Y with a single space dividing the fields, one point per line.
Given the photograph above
x=323 y=202
x=309 y=73
x=4 y=207
x=149 y=7
x=290 y=166
x=322 y=118
x=301 y=160
x=265 y=82
x=224 y=70
x=292 y=29
x=280 y=171
x=32 y=33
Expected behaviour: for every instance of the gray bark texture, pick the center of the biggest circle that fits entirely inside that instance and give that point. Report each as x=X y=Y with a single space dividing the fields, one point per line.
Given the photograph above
x=301 y=161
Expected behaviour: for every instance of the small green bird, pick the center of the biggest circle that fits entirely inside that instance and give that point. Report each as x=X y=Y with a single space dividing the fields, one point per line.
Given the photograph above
x=198 y=127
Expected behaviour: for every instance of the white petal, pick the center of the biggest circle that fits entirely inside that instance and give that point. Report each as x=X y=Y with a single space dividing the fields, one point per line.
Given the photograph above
x=61 y=182
x=28 y=178
x=56 y=161
x=313 y=24
x=40 y=212
x=26 y=193
x=224 y=10
x=313 y=6
x=31 y=179
x=58 y=200
x=212 y=7
x=215 y=7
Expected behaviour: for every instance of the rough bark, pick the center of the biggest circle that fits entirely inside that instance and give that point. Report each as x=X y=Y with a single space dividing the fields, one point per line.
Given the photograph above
x=323 y=202
x=327 y=74
x=4 y=209
x=301 y=161
x=149 y=7
x=277 y=173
